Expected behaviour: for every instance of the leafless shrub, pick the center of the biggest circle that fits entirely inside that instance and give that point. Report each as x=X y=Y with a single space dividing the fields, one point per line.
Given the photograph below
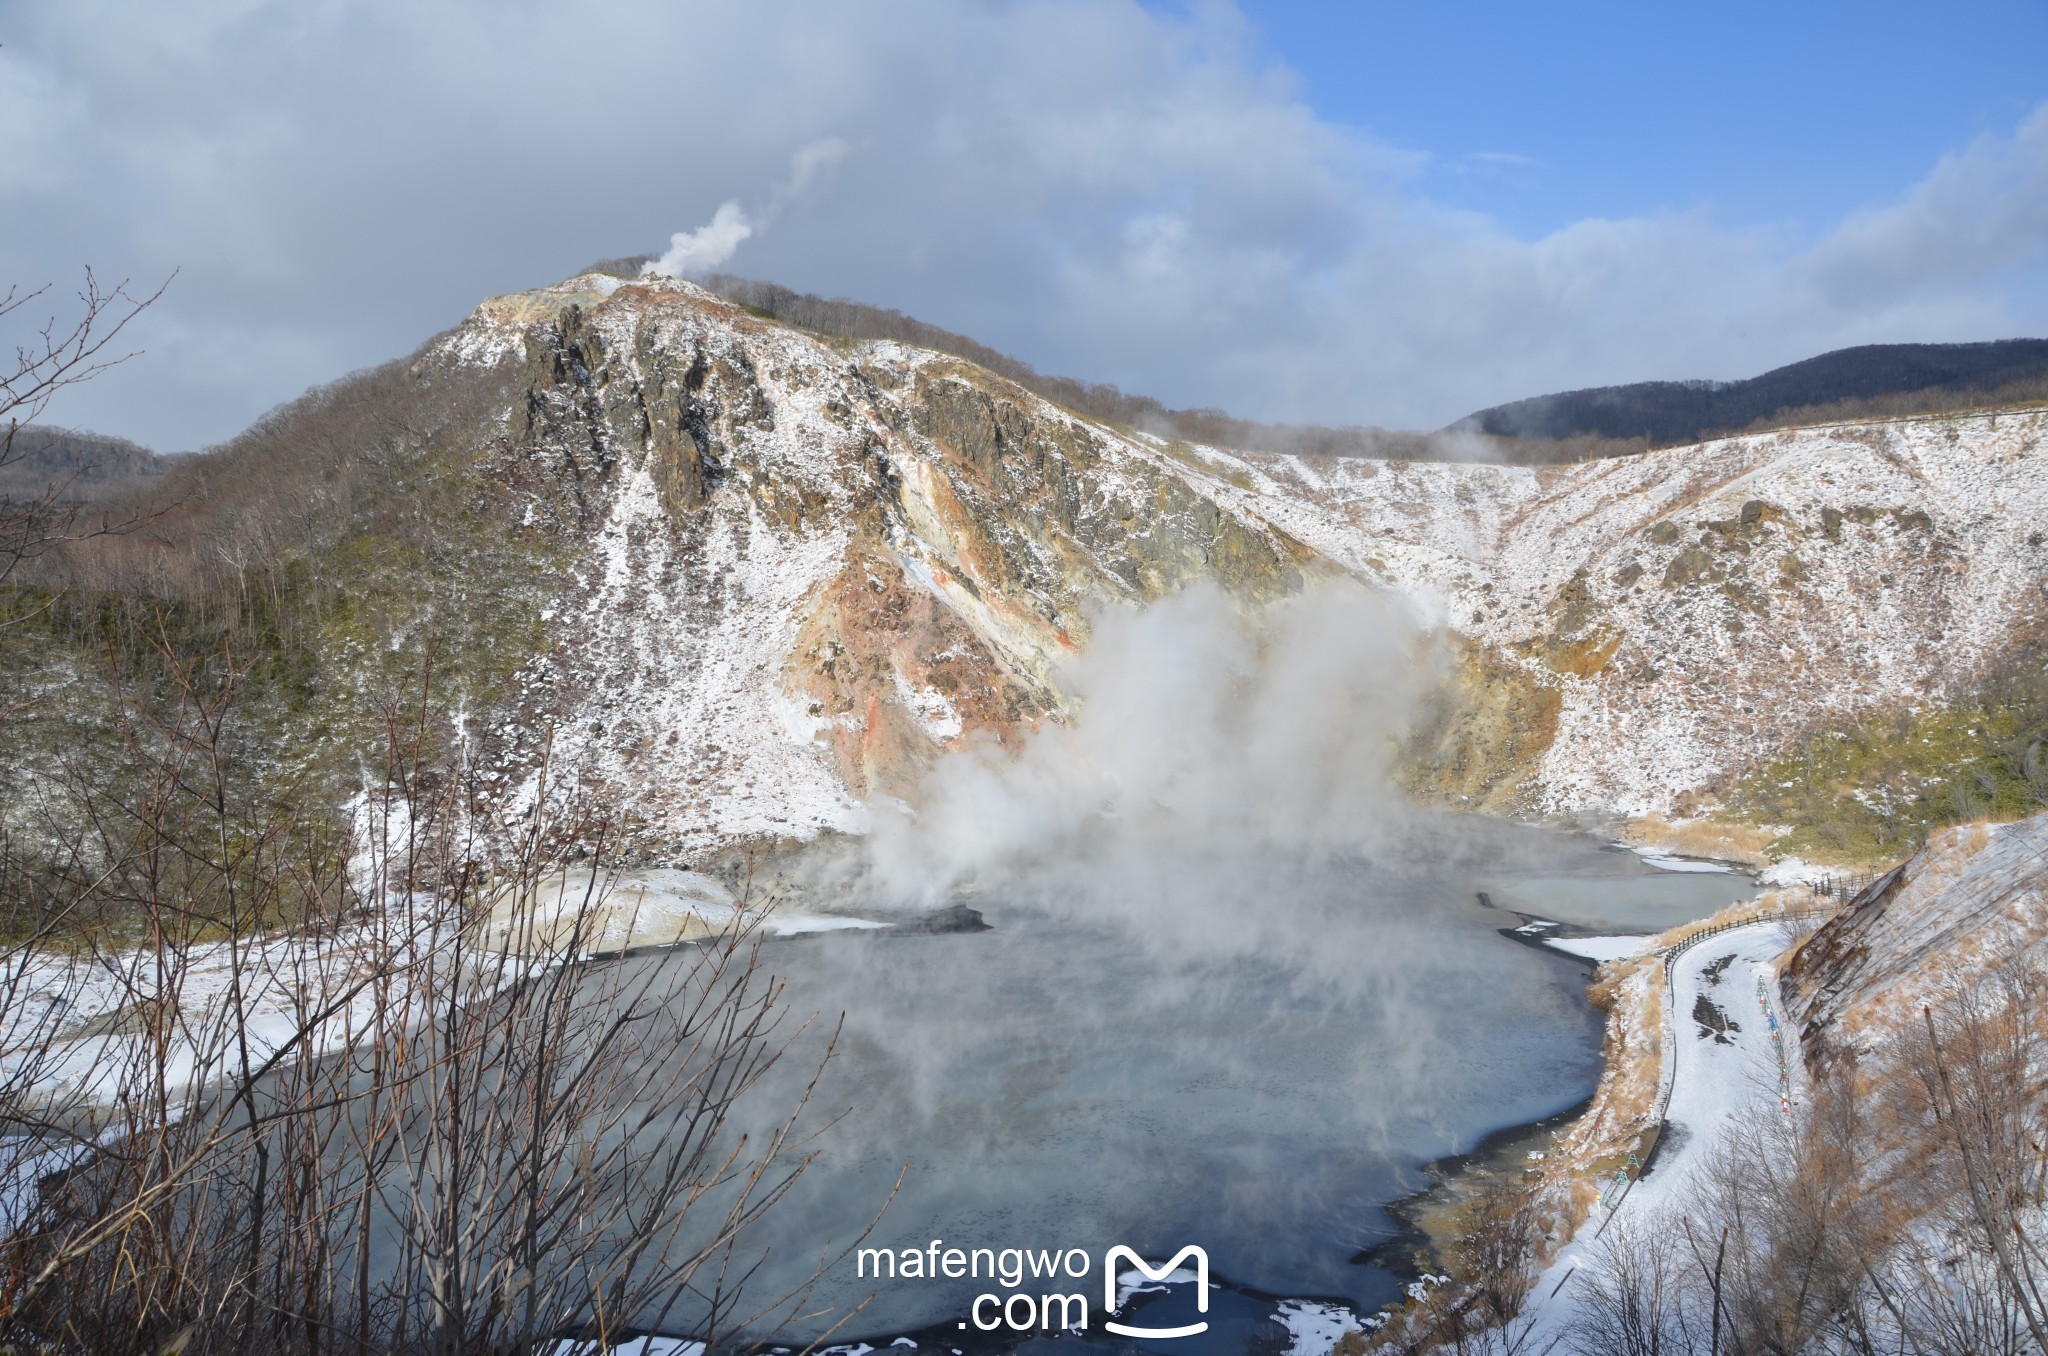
x=1479 y=1308
x=1797 y=1198
x=1981 y=1083
x=1636 y=1297
x=385 y=1129
x=1901 y=1209
x=1497 y=1258
x=58 y=354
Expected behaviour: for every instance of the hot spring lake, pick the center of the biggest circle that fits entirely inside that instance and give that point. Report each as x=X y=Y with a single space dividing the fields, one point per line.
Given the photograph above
x=1257 y=1073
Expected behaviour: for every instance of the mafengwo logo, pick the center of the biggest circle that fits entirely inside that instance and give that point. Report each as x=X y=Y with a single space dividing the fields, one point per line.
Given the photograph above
x=1163 y=1275
x=1022 y=1310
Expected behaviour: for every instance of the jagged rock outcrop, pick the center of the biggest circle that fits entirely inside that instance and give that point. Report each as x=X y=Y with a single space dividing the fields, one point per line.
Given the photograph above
x=801 y=572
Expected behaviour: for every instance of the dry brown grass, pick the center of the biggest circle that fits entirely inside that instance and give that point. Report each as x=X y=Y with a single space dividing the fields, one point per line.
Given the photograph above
x=1706 y=836
x=1768 y=905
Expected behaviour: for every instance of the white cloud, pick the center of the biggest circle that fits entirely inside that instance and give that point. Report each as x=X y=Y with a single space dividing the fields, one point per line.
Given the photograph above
x=1101 y=189
x=1981 y=210
x=38 y=115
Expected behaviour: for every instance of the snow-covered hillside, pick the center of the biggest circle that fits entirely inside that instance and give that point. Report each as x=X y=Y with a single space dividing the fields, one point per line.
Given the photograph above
x=803 y=572
x=1969 y=909
x=1698 y=608
x=803 y=567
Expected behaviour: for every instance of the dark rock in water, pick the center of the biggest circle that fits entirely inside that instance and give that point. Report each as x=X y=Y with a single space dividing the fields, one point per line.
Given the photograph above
x=952 y=918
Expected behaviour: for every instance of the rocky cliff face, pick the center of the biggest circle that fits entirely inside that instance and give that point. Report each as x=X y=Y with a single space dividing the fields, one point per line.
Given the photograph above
x=803 y=568
x=1972 y=905
x=801 y=572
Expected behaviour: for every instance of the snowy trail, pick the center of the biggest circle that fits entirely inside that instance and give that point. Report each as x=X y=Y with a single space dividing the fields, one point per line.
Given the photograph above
x=1724 y=1070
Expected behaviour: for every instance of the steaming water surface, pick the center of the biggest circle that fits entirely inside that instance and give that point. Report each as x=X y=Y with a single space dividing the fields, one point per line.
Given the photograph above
x=1259 y=1073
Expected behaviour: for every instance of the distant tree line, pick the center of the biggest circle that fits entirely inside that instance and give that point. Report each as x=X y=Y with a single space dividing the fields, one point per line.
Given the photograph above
x=1871 y=381
x=77 y=465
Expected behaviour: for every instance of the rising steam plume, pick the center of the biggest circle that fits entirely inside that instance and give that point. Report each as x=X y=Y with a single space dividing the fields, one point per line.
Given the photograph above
x=694 y=252
x=698 y=251
x=1236 y=977
x=1206 y=739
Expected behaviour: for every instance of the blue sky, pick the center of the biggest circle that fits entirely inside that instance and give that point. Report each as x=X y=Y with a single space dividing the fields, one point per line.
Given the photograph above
x=1327 y=213
x=1791 y=114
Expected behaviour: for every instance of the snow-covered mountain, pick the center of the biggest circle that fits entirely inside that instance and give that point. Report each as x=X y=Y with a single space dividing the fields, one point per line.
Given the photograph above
x=798 y=568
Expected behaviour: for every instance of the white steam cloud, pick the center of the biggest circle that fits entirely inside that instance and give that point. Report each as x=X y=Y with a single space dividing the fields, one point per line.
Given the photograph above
x=706 y=247
x=1210 y=748
x=718 y=239
x=1236 y=979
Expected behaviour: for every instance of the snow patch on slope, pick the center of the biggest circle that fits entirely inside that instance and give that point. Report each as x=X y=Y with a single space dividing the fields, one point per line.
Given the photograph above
x=669 y=676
